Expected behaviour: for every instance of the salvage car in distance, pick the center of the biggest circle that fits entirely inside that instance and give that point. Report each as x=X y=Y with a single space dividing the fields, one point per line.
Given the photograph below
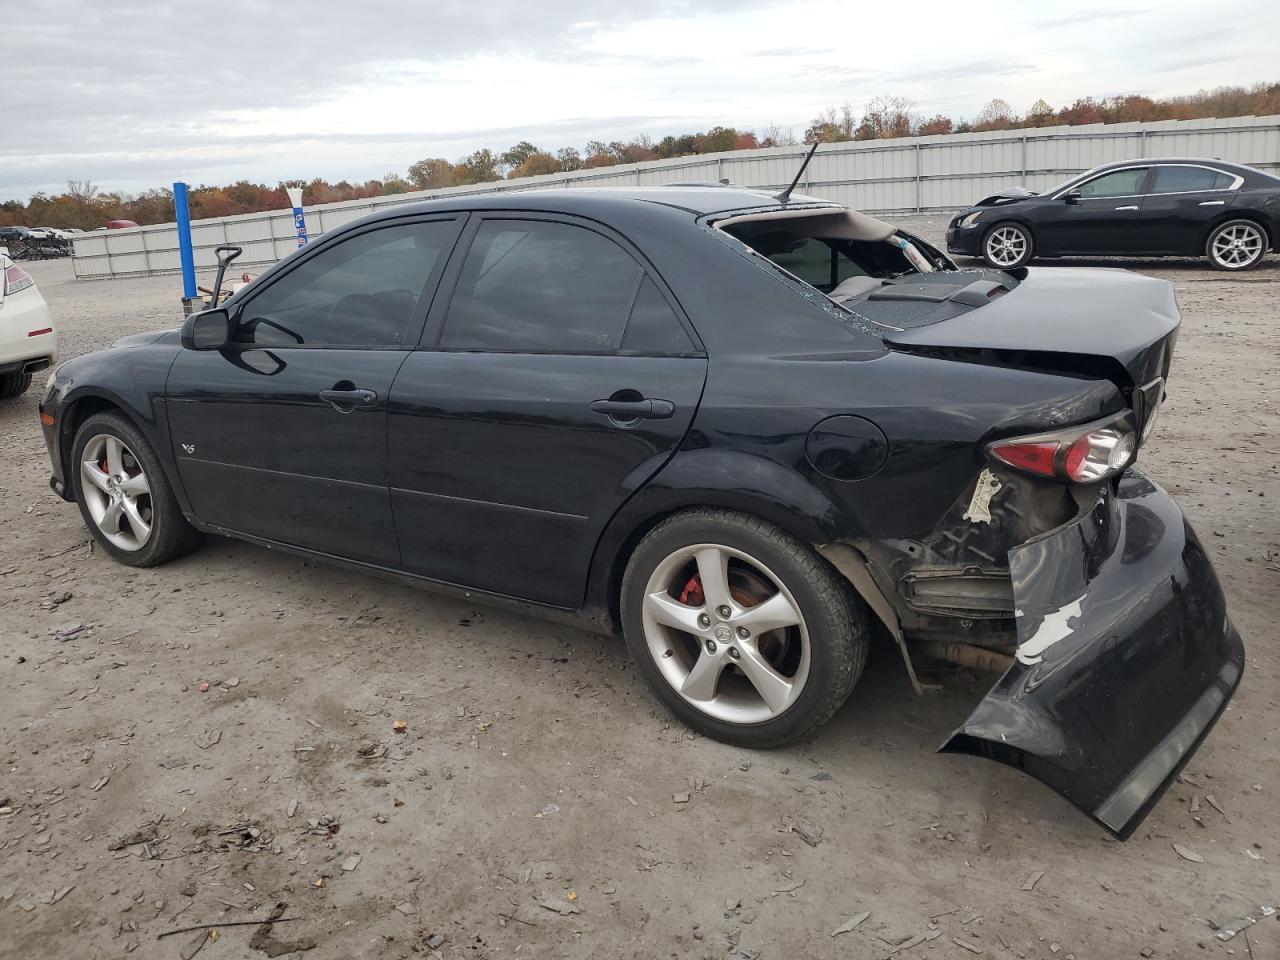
x=1226 y=212
x=28 y=340
x=681 y=414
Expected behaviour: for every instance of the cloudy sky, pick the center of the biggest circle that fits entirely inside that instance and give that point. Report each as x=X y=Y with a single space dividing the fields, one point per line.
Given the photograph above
x=135 y=95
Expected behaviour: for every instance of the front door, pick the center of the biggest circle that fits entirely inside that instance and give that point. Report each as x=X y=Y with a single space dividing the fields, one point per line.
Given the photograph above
x=1099 y=217
x=283 y=435
x=1181 y=201
x=558 y=381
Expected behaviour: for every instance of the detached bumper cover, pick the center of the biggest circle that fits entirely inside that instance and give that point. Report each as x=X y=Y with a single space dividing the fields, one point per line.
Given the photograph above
x=1125 y=659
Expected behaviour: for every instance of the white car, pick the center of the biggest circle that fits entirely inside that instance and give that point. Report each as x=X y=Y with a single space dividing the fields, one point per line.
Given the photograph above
x=28 y=340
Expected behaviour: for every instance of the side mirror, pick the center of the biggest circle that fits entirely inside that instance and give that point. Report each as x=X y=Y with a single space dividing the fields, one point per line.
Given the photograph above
x=207 y=330
x=1072 y=196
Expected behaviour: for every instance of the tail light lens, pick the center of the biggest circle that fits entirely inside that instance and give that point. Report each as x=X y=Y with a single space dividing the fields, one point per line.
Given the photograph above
x=1083 y=454
x=15 y=279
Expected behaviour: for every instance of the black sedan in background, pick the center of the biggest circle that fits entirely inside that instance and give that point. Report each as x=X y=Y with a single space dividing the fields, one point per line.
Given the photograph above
x=743 y=431
x=1226 y=212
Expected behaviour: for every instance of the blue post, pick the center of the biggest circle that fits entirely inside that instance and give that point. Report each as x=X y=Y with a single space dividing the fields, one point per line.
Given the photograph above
x=185 y=253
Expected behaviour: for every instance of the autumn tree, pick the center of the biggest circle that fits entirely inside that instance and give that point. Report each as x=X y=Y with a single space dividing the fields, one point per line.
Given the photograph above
x=886 y=117
x=569 y=159
x=478 y=167
x=774 y=136
x=517 y=155
x=393 y=183
x=1040 y=114
x=831 y=126
x=935 y=126
x=431 y=174
x=537 y=164
x=1084 y=110
x=996 y=114
x=598 y=155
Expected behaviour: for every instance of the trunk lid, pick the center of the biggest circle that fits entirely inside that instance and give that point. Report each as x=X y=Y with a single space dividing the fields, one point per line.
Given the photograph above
x=1096 y=322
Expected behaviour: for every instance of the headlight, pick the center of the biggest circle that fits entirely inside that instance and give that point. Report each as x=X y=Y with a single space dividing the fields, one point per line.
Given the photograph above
x=971 y=220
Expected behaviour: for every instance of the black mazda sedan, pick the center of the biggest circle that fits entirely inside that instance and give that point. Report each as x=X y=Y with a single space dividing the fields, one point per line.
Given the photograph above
x=1225 y=212
x=744 y=432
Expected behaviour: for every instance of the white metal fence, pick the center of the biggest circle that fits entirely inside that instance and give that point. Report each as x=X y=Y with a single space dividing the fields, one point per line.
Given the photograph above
x=910 y=175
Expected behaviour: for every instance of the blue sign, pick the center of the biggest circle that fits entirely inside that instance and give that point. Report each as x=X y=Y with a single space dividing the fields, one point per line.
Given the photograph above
x=300 y=224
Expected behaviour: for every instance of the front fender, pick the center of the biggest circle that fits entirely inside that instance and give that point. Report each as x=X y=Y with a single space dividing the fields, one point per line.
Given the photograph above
x=130 y=380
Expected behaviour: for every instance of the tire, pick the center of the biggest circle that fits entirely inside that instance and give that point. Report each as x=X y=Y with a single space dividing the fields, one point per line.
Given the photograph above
x=1237 y=245
x=14 y=384
x=113 y=442
x=1007 y=246
x=813 y=663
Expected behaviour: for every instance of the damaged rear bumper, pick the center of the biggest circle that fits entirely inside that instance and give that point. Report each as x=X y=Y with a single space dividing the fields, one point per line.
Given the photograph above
x=1125 y=658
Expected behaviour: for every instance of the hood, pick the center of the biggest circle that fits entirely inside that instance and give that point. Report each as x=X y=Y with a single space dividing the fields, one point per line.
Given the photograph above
x=1008 y=195
x=1094 y=322
x=151 y=336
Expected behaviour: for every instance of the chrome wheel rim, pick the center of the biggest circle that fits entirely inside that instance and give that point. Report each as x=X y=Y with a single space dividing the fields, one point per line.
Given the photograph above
x=1006 y=246
x=1237 y=246
x=726 y=633
x=116 y=492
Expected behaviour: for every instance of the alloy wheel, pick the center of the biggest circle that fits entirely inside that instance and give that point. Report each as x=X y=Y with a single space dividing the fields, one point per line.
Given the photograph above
x=1006 y=246
x=116 y=492
x=726 y=634
x=1237 y=246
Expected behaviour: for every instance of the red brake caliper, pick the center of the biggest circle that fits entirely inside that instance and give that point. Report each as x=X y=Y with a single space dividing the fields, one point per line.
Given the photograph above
x=692 y=592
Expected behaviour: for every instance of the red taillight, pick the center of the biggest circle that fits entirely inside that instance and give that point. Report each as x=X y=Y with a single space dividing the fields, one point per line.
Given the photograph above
x=15 y=279
x=1035 y=457
x=1083 y=454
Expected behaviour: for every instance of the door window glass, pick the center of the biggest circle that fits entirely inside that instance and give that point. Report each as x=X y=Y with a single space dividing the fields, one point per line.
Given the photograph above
x=1121 y=183
x=1177 y=179
x=537 y=286
x=361 y=292
x=654 y=326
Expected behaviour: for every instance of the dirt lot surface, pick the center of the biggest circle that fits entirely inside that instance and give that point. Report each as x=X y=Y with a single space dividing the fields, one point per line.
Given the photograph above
x=532 y=808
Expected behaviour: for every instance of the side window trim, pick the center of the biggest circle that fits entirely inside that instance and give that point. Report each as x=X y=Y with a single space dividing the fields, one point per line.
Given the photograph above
x=1106 y=173
x=448 y=283
x=413 y=328
x=1237 y=180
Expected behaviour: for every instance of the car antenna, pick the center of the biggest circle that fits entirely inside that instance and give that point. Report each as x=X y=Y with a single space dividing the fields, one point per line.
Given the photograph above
x=785 y=195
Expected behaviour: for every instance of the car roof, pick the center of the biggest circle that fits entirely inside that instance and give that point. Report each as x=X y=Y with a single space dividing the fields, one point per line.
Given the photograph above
x=696 y=200
x=1239 y=168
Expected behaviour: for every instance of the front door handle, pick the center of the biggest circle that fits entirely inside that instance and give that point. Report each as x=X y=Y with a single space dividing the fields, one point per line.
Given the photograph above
x=1213 y=203
x=634 y=409
x=344 y=400
x=1127 y=208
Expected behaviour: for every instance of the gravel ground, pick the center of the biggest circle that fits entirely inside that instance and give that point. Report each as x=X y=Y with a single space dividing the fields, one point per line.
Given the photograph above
x=531 y=807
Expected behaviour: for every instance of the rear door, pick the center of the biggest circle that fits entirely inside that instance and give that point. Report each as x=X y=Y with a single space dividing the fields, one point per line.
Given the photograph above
x=283 y=436
x=1102 y=220
x=558 y=378
x=1182 y=199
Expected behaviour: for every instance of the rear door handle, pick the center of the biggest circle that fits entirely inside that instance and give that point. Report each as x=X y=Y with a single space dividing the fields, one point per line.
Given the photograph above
x=1127 y=208
x=1213 y=203
x=634 y=409
x=344 y=401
